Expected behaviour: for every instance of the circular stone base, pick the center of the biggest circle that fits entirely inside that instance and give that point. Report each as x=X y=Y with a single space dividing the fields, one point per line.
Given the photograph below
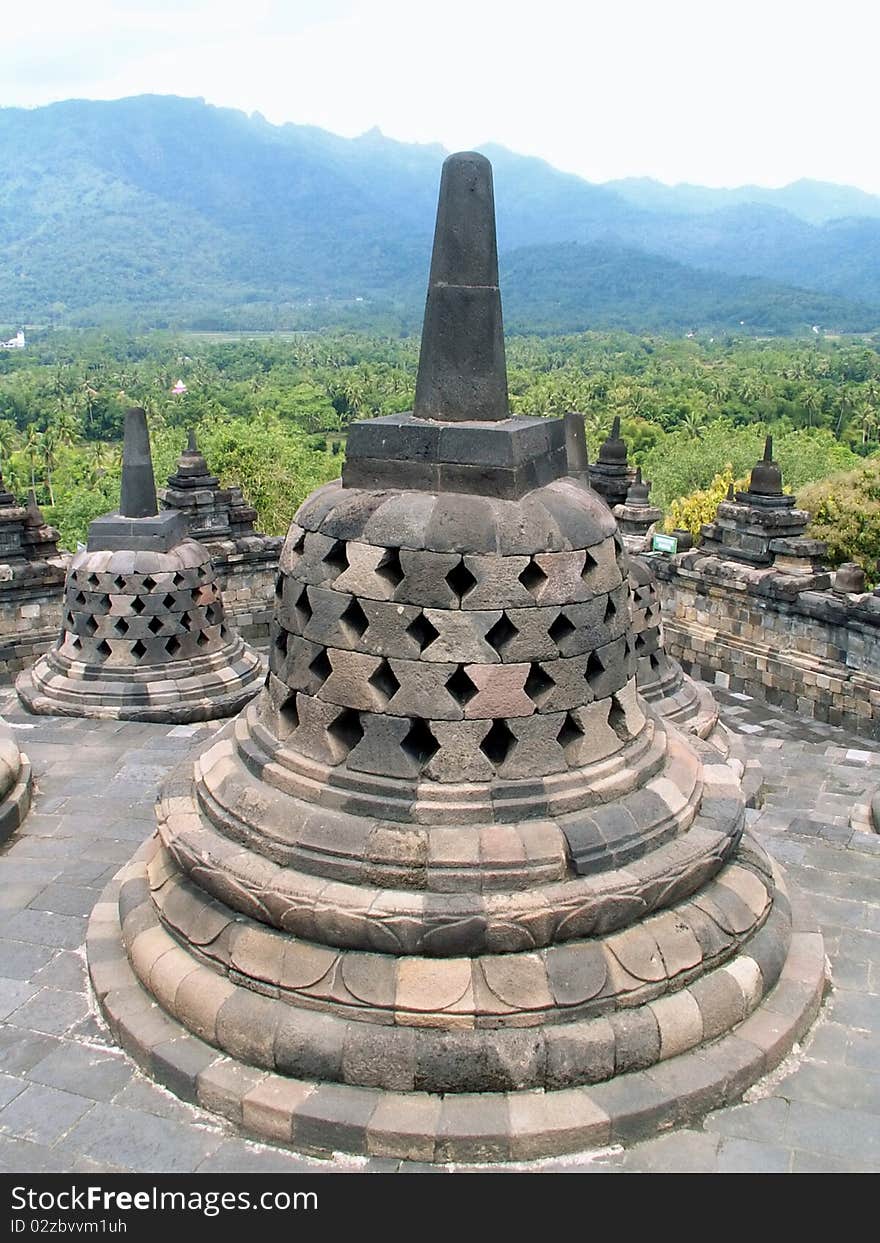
x=177 y=694
x=15 y=803
x=469 y=1127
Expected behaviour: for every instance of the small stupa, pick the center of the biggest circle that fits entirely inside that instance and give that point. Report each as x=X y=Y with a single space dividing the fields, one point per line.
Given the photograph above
x=611 y=475
x=762 y=526
x=144 y=636
x=212 y=512
x=445 y=890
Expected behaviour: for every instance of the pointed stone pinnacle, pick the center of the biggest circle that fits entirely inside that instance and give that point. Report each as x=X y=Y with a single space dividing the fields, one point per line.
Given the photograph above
x=137 y=498
x=462 y=368
x=34 y=513
x=191 y=446
x=730 y=494
x=576 y=446
x=615 y=428
x=768 y=449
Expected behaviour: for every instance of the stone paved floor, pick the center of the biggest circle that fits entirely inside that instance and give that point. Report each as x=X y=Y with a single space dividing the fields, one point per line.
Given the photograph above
x=69 y=1101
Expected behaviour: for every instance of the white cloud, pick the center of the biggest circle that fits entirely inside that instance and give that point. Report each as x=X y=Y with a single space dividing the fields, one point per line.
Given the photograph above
x=760 y=92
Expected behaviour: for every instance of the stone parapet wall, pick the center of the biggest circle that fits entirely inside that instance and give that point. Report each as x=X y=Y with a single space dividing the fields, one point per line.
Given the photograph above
x=30 y=615
x=783 y=638
x=246 y=571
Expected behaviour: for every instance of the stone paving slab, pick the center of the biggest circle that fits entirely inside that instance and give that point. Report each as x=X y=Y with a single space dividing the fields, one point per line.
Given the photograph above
x=71 y=1101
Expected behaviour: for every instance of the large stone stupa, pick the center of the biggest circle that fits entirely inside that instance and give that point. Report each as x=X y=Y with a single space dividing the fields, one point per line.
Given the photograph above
x=446 y=890
x=143 y=636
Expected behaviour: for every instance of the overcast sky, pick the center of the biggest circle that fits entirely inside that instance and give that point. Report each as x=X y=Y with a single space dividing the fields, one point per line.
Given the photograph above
x=762 y=91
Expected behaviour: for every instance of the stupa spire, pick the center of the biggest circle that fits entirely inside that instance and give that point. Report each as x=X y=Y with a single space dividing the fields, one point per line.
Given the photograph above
x=576 y=452
x=462 y=370
x=137 y=496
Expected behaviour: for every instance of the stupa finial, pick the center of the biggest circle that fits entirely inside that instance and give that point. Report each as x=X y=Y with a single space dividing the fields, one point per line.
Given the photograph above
x=191 y=445
x=768 y=449
x=137 y=497
x=462 y=370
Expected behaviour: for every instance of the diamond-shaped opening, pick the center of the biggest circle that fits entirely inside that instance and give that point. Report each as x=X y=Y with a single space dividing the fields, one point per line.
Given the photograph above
x=498 y=743
x=461 y=687
x=421 y=630
x=300 y=543
x=346 y=729
x=640 y=642
x=570 y=734
x=178 y=580
x=384 y=681
x=594 y=669
x=140 y=648
x=91 y=624
x=154 y=625
x=354 y=620
x=104 y=648
x=532 y=577
x=561 y=629
x=79 y=598
x=288 y=717
x=321 y=666
x=75 y=641
x=303 y=608
x=150 y=583
x=279 y=586
x=137 y=605
x=538 y=684
x=172 y=646
x=389 y=568
x=70 y=622
x=590 y=564
x=610 y=611
x=617 y=719
x=461 y=580
x=212 y=614
x=121 y=626
x=654 y=661
x=501 y=634
x=168 y=601
x=336 y=557
x=186 y=621
x=419 y=743
x=93 y=580
x=119 y=581
x=281 y=641
x=202 y=639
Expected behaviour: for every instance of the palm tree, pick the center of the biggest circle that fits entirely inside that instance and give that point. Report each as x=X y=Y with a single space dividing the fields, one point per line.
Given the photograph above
x=33 y=449
x=49 y=443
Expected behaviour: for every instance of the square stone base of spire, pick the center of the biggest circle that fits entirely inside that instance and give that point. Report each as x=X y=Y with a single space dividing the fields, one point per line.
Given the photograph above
x=158 y=533
x=505 y=459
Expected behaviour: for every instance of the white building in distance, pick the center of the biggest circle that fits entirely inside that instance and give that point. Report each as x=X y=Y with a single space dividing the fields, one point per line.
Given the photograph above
x=14 y=343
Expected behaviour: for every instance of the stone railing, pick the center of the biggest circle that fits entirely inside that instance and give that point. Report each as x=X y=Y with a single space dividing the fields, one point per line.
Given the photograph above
x=784 y=638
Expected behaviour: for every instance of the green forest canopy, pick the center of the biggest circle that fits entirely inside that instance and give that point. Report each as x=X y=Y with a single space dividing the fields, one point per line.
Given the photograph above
x=271 y=412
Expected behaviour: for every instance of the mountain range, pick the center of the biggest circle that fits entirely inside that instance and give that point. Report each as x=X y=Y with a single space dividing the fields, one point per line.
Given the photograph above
x=160 y=210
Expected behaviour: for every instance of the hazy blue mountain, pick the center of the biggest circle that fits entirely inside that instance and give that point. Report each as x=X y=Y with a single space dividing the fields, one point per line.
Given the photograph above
x=816 y=202
x=163 y=209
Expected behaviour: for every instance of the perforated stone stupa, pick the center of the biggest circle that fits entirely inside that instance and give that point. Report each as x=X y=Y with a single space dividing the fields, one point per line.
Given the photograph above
x=144 y=636
x=660 y=679
x=447 y=890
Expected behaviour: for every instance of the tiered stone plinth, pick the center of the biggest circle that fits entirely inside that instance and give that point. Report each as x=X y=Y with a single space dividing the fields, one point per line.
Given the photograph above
x=446 y=890
x=15 y=783
x=143 y=639
x=212 y=512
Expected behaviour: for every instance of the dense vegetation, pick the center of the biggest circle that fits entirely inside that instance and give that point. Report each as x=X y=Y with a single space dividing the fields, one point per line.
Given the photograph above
x=165 y=212
x=271 y=413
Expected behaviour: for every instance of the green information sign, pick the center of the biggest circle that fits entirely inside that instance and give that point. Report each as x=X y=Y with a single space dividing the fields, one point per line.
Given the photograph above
x=664 y=543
